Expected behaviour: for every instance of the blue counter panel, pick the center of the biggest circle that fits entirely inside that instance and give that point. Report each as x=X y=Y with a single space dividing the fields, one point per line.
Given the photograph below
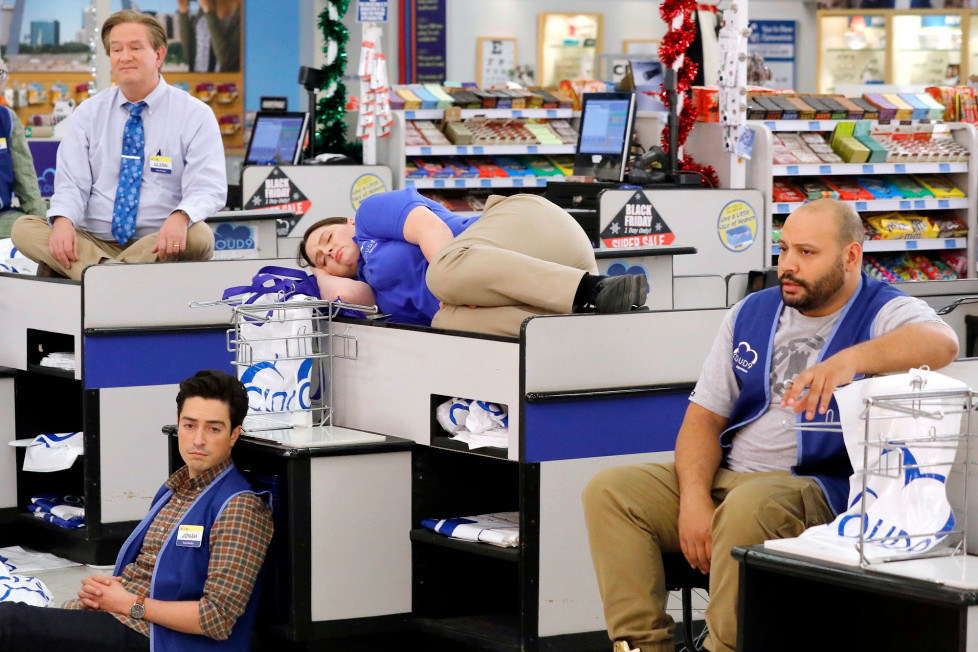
x=566 y=430
x=136 y=359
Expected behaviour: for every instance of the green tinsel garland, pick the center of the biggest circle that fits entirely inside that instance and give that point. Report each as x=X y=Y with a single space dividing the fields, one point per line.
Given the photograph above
x=331 y=105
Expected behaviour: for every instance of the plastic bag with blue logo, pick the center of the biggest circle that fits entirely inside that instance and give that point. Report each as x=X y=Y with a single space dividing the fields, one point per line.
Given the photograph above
x=29 y=590
x=273 y=346
x=52 y=451
x=14 y=262
x=451 y=415
x=906 y=502
x=484 y=417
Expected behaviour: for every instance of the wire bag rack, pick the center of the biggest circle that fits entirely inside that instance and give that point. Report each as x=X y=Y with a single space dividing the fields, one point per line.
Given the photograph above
x=284 y=352
x=924 y=437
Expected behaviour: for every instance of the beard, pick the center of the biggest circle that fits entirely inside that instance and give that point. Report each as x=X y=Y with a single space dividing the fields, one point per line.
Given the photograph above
x=815 y=294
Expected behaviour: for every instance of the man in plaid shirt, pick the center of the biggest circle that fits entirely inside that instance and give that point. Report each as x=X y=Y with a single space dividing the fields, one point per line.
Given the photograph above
x=184 y=579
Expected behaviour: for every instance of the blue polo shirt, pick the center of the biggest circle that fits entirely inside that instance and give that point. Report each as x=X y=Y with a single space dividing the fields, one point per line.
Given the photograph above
x=394 y=268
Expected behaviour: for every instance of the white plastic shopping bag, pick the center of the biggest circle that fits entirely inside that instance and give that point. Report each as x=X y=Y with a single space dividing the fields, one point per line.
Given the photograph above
x=14 y=262
x=275 y=343
x=52 y=452
x=905 y=502
x=29 y=590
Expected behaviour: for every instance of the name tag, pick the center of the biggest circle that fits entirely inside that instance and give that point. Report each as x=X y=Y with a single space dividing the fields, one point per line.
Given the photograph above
x=161 y=164
x=3 y=143
x=190 y=536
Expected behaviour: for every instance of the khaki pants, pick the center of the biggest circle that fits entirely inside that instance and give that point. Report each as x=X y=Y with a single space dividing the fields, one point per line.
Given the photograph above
x=632 y=517
x=525 y=256
x=30 y=235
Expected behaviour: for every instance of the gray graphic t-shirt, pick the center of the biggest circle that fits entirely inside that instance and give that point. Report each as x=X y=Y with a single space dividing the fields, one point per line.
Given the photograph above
x=769 y=443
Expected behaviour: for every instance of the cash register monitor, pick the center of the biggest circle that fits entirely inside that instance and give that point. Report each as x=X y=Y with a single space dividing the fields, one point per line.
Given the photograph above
x=605 y=135
x=277 y=138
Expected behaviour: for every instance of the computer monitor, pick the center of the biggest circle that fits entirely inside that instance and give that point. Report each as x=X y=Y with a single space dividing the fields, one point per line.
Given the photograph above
x=277 y=138
x=605 y=135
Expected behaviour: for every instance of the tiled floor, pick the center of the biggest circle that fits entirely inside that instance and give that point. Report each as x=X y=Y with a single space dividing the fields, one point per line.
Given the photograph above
x=63 y=584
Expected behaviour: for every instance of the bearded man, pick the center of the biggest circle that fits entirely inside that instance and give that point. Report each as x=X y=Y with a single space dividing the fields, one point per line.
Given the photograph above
x=743 y=472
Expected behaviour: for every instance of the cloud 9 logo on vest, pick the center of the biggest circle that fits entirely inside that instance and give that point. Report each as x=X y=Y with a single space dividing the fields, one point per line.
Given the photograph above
x=744 y=356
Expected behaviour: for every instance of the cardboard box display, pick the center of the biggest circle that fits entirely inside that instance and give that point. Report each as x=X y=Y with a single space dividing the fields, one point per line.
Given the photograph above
x=887 y=110
x=428 y=101
x=411 y=101
x=815 y=188
x=839 y=112
x=935 y=109
x=822 y=112
x=879 y=188
x=939 y=186
x=788 y=110
x=870 y=112
x=850 y=150
x=904 y=110
x=853 y=110
x=805 y=111
x=848 y=189
x=919 y=110
x=785 y=191
x=774 y=112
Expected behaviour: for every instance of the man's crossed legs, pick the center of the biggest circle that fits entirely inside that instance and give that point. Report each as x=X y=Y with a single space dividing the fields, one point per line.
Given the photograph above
x=30 y=235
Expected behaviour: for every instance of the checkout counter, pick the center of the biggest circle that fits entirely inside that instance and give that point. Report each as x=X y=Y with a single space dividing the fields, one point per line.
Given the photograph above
x=356 y=556
x=351 y=555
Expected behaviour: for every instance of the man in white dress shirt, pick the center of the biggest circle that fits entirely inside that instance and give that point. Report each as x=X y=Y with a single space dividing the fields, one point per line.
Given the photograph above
x=183 y=171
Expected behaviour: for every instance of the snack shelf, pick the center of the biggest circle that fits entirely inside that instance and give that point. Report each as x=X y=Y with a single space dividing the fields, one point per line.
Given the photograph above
x=929 y=244
x=824 y=125
x=528 y=181
x=438 y=114
x=395 y=153
x=487 y=150
x=783 y=208
x=760 y=172
x=867 y=168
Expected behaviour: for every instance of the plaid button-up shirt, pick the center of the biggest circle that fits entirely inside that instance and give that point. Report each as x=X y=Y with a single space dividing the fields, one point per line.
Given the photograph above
x=238 y=541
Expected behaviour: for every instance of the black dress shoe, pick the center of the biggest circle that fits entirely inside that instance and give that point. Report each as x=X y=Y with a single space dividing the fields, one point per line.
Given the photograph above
x=620 y=293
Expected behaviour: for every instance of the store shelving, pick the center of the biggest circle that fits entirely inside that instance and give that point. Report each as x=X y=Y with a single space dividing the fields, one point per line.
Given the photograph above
x=822 y=125
x=393 y=152
x=760 y=173
x=888 y=205
x=438 y=114
x=867 y=168
x=486 y=150
x=501 y=182
x=929 y=244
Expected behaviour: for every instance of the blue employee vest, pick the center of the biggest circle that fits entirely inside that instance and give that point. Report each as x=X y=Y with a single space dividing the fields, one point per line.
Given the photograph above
x=180 y=571
x=6 y=160
x=821 y=453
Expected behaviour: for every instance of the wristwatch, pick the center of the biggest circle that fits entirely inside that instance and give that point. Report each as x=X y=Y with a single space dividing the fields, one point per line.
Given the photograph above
x=137 y=610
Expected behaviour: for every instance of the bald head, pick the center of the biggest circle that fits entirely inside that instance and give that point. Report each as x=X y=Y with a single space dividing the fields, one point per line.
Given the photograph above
x=843 y=217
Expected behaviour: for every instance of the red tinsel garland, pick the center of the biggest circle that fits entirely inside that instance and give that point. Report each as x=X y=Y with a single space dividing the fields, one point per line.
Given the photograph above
x=673 y=44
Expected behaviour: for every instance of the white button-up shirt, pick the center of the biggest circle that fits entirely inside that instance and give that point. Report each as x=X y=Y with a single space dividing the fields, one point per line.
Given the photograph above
x=177 y=127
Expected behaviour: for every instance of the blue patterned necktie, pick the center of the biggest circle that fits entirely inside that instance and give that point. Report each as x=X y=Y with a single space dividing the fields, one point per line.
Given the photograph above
x=130 y=175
